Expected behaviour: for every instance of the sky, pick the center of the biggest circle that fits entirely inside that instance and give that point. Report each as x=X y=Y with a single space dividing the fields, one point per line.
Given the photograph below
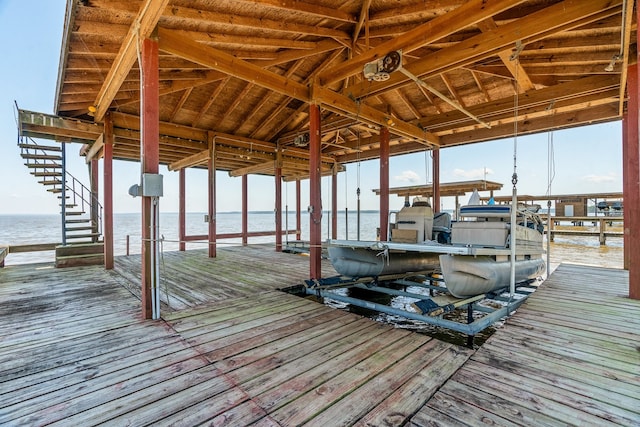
x=586 y=159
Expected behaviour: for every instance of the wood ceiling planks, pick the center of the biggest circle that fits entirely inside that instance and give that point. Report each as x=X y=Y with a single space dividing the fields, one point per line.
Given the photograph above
x=249 y=68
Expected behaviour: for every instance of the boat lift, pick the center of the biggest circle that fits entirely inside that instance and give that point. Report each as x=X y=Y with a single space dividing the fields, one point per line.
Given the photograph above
x=430 y=306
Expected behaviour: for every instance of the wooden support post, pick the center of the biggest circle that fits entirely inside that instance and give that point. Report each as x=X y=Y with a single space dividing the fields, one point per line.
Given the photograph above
x=298 y=211
x=278 y=207
x=150 y=159
x=182 y=209
x=315 y=192
x=601 y=228
x=211 y=168
x=436 y=180
x=334 y=203
x=95 y=194
x=384 y=184
x=108 y=192
x=626 y=186
x=245 y=210
x=632 y=177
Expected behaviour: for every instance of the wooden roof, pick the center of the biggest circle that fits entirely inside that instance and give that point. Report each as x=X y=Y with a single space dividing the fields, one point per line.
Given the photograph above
x=459 y=188
x=243 y=72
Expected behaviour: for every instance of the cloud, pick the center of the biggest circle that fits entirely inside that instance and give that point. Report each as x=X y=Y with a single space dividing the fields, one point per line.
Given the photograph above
x=600 y=178
x=408 y=176
x=473 y=173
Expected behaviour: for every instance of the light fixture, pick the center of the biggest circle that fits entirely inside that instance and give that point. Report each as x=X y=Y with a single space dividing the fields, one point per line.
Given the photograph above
x=613 y=61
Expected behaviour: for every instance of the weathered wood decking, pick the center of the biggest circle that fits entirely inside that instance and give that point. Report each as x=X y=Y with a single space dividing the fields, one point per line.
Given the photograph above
x=569 y=356
x=232 y=350
x=74 y=351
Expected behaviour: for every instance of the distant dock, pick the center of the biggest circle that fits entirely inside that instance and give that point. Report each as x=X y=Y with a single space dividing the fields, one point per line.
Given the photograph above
x=233 y=349
x=602 y=227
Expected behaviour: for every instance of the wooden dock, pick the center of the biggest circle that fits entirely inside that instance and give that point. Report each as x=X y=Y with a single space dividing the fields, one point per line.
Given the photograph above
x=73 y=350
x=233 y=350
x=569 y=356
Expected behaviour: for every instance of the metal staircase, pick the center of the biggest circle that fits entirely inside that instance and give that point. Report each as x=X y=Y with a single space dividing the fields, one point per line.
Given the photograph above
x=81 y=213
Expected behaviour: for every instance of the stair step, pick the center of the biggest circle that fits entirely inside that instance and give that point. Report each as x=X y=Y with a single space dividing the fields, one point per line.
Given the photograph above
x=82 y=236
x=71 y=206
x=46 y=174
x=77 y=221
x=50 y=182
x=79 y=260
x=43 y=165
x=71 y=229
x=41 y=156
x=54 y=190
x=72 y=213
x=40 y=147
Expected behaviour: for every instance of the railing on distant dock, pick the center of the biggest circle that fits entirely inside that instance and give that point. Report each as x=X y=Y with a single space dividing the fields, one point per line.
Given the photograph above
x=599 y=222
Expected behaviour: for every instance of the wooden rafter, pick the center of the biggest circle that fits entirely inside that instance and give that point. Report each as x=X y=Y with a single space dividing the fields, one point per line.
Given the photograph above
x=210 y=101
x=172 y=42
x=556 y=18
x=465 y=15
x=364 y=15
x=514 y=67
x=142 y=27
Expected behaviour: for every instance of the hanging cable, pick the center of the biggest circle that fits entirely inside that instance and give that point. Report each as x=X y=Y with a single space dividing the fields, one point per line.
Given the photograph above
x=346 y=205
x=551 y=167
x=514 y=178
x=358 y=177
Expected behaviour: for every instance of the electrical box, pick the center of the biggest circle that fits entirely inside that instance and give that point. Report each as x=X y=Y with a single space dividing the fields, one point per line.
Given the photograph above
x=151 y=185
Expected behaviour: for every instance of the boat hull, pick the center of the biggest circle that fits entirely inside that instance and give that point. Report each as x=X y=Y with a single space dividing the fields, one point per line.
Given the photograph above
x=378 y=261
x=467 y=276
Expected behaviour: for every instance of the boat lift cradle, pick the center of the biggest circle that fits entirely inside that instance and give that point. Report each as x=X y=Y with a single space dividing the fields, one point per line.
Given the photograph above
x=429 y=309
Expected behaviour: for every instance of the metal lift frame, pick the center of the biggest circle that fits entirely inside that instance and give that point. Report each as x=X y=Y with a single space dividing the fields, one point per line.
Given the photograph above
x=323 y=288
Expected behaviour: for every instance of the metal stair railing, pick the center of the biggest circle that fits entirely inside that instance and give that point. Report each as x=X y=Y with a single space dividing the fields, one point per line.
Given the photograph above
x=80 y=195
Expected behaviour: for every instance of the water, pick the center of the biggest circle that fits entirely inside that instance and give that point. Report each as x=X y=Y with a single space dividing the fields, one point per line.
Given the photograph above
x=24 y=229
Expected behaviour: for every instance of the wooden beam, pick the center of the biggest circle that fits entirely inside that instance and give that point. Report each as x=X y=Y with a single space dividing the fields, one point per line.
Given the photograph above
x=173 y=42
x=343 y=105
x=262 y=24
x=196 y=159
x=96 y=147
x=558 y=17
x=514 y=67
x=141 y=28
x=459 y=18
x=268 y=166
x=500 y=109
x=364 y=15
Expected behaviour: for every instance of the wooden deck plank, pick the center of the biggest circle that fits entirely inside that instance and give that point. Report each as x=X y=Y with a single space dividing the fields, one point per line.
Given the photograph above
x=569 y=355
x=362 y=401
x=410 y=396
x=567 y=409
x=580 y=397
x=594 y=381
x=251 y=338
x=307 y=406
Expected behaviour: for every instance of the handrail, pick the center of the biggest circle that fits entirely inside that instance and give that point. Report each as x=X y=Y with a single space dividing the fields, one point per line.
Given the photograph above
x=81 y=194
